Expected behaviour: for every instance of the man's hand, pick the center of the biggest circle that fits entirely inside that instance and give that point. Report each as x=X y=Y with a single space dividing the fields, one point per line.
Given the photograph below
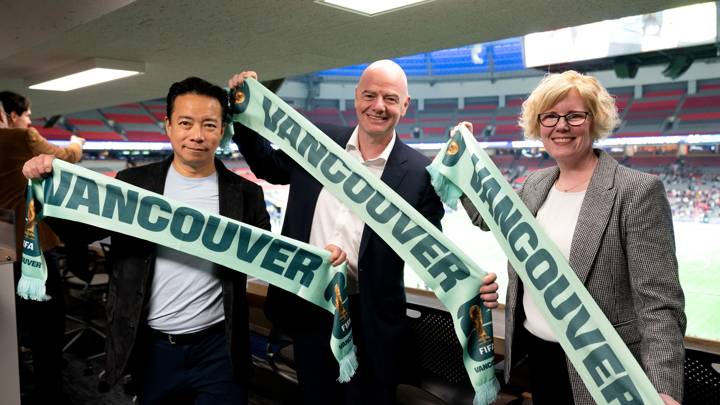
x=237 y=79
x=77 y=139
x=488 y=291
x=668 y=400
x=337 y=256
x=466 y=124
x=38 y=167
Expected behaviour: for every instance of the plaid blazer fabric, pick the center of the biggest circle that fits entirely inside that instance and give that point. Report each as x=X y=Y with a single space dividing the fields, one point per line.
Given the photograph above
x=623 y=250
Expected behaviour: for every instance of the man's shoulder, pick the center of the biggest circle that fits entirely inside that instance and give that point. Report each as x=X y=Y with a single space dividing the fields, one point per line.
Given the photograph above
x=414 y=157
x=138 y=173
x=338 y=133
x=228 y=177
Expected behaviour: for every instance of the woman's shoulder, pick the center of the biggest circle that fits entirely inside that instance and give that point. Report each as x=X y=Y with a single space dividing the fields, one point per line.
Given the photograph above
x=629 y=177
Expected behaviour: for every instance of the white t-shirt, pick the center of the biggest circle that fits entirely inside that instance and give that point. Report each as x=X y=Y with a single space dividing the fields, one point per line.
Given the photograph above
x=333 y=223
x=558 y=217
x=186 y=294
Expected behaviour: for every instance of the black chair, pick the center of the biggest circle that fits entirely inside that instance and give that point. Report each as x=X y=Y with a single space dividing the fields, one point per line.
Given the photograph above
x=702 y=378
x=89 y=288
x=442 y=373
x=439 y=356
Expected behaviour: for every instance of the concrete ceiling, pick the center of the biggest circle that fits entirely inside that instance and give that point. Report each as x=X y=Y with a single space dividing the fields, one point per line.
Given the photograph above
x=277 y=38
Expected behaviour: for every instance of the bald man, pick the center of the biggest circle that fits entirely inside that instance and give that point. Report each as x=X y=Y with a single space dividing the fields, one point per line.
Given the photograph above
x=375 y=272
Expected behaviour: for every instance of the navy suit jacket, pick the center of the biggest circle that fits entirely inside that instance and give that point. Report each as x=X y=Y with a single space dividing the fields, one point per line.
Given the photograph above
x=380 y=269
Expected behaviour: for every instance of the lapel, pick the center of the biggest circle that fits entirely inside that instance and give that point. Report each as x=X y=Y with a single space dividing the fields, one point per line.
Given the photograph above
x=230 y=201
x=538 y=191
x=155 y=182
x=594 y=215
x=393 y=174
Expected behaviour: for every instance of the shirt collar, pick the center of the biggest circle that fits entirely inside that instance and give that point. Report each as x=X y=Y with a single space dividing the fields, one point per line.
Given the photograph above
x=352 y=145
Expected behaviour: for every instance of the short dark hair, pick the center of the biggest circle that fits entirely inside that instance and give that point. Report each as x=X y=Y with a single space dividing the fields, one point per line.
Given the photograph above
x=196 y=85
x=13 y=102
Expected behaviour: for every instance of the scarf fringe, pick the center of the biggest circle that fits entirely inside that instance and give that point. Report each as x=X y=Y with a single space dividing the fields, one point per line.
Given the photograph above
x=32 y=289
x=486 y=393
x=348 y=365
x=448 y=192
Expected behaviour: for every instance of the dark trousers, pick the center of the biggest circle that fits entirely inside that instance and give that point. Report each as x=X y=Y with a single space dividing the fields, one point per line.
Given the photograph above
x=198 y=372
x=41 y=325
x=317 y=370
x=549 y=378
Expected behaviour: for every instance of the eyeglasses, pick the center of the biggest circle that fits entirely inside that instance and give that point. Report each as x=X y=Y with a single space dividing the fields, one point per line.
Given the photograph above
x=574 y=119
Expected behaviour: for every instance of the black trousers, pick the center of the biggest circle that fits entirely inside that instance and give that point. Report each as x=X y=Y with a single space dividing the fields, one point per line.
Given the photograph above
x=196 y=370
x=549 y=378
x=317 y=370
x=41 y=325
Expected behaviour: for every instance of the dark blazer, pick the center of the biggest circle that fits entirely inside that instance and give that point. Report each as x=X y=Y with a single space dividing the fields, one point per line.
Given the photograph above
x=623 y=251
x=380 y=269
x=133 y=264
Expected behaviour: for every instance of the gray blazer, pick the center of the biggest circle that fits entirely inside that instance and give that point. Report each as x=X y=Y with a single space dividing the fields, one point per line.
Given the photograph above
x=623 y=250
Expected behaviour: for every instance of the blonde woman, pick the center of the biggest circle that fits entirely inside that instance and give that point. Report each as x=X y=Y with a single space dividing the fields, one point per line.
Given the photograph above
x=614 y=226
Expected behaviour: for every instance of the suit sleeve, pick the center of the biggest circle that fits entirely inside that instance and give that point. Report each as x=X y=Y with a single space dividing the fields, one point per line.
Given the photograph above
x=266 y=163
x=259 y=216
x=430 y=205
x=474 y=214
x=39 y=145
x=657 y=294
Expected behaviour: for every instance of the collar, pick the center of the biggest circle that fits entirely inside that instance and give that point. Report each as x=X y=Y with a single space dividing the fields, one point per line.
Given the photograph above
x=352 y=145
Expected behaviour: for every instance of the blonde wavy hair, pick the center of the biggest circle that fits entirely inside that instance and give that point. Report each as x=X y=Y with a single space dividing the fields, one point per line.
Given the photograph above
x=556 y=86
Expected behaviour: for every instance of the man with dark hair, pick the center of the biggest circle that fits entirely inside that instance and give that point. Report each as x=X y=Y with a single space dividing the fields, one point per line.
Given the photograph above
x=177 y=322
x=41 y=324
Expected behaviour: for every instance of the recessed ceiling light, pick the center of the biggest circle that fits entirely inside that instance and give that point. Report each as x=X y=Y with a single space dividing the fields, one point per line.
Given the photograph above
x=371 y=8
x=85 y=73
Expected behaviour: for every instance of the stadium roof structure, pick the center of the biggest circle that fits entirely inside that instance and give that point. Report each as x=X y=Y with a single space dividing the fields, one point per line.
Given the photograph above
x=178 y=38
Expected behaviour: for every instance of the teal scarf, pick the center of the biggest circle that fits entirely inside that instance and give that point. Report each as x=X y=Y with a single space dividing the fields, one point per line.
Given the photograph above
x=77 y=194
x=599 y=355
x=453 y=277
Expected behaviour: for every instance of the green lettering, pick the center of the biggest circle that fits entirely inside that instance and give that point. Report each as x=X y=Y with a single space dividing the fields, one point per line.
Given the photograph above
x=361 y=195
x=426 y=249
x=373 y=207
x=304 y=262
x=327 y=165
x=289 y=130
x=55 y=196
x=453 y=269
x=271 y=121
x=623 y=390
x=402 y=233
x=146 y=207
x=522 y=233
x=246 y=251
x=582 y=339
x=276 y=255
x=114 y=199
x=314 y=149
x=78 y=197
x=547 y=272
x=503 y=217
x=208 y=238
x=197 y=220
x=566 y=306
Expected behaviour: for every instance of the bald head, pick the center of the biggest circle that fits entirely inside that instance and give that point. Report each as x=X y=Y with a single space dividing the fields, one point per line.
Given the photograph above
x=389 y=70
x=381 y=99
